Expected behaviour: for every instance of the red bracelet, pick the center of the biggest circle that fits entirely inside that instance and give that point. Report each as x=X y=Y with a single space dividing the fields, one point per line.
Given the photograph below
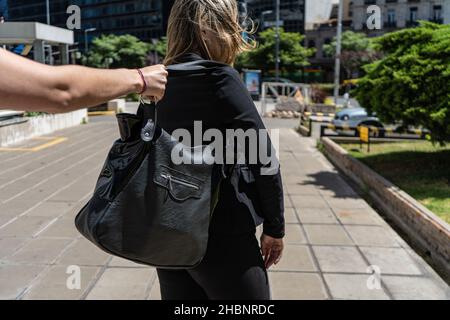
x=143 y=80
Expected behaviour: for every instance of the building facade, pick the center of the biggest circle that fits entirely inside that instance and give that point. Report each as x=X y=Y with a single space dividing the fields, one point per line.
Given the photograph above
x=399 y=14
x=141 y=18
x=35 y=11
x=292 y=14
x=322 y=18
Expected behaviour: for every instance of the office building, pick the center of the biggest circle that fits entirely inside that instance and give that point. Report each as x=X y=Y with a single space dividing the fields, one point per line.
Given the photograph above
x=141 y=18
x=292 y=14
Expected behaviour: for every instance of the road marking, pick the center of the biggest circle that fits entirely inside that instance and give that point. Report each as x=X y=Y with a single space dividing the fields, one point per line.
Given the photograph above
x=101 y=113
x=51 y=142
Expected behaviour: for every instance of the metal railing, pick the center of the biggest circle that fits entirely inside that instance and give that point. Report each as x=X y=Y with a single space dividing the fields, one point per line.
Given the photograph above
x=276 y=90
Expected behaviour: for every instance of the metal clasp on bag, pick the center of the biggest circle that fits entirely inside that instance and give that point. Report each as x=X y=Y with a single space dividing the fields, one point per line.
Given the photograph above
x=148 y=132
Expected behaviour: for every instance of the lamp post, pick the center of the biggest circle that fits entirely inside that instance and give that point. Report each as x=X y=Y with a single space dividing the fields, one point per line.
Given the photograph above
x=263 y=14
x=86 y=45
x=277 y=44
x=337 y=68
x=47 y=6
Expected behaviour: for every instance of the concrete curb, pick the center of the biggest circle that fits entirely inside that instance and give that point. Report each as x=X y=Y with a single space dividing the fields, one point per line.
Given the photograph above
x=429 y=234
x=40 y=125
x=304 y=131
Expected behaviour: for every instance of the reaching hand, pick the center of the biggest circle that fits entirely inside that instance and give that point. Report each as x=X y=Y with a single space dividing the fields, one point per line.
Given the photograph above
x=156 y=79
x=272 y=250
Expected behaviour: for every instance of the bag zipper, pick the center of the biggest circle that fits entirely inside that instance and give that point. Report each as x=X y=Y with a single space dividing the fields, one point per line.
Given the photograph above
x=171 y=178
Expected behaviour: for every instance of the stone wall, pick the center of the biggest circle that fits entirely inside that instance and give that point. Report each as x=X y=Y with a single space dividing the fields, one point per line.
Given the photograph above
x=429 y=234
x=40 y=125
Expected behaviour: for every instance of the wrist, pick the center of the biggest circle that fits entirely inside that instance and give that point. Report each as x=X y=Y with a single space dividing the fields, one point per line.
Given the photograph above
x=136 y=82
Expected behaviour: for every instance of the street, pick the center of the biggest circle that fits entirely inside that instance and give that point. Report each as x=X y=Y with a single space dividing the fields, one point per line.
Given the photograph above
x=337 y=246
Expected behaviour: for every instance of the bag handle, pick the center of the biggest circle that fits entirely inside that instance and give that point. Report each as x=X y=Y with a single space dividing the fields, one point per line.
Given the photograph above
x=150 y=115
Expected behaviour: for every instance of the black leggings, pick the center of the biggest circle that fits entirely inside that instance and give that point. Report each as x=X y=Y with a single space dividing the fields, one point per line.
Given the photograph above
x=233 y=269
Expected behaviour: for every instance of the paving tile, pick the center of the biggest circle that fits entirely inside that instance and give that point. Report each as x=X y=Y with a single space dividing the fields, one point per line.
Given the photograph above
x=391 y=260
x=17 y=207
x=316 y=215
x=366 y=216
x=61 y=228
x=295 y=258
x=343 y=190
x=301 y=202
x=353 y=287
x=123 y=263
x=287 y=202
x=83 y=253
x=9 y=245
x=416 y=288
x=50 y=209
x=297 y=286
x=77 y=191
x=122 y=284
x=290 y=216
x=5 y=218
x=327 y=235
x=25 y=226
x=294 y=234
x=53 y=286
x=346 y=203
x=40 y=251
x=340 y=259
x=155 y=292
x=302 y=189
x=15 y=279
x=372 y=236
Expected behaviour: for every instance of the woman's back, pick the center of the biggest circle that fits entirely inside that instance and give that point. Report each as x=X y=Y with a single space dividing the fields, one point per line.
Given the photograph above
x=195 y=93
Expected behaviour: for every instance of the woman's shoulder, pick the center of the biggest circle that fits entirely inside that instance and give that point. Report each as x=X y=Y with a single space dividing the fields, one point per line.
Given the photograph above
x=227 y=77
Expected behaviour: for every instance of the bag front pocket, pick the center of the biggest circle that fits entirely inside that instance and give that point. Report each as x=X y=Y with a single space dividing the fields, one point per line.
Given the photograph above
x=180 y=186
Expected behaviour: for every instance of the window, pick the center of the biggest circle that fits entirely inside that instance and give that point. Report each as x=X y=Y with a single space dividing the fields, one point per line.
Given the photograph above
x=391 y=18
x=437 y=14
x=412 y=14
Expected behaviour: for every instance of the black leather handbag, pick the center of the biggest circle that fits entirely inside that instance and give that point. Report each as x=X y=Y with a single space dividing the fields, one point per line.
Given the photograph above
x=147 y=209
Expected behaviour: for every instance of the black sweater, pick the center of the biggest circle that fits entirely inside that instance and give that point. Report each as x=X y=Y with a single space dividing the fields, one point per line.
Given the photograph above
x=217 y=97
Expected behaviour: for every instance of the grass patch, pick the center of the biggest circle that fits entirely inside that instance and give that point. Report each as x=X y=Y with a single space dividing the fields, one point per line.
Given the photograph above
x=418 y=167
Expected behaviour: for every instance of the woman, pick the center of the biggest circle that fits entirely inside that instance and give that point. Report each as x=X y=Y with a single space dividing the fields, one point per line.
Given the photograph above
x=25 y=84
x=233 y=267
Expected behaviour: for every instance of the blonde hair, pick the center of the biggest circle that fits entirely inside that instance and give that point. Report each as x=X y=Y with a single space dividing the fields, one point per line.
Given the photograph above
x=189 y=17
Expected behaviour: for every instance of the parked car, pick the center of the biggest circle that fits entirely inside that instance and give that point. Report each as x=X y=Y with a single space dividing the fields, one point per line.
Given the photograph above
x=355 y=117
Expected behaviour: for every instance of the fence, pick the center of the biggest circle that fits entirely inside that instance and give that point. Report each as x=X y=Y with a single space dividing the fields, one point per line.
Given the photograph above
x=386 y=133
x=276 y=90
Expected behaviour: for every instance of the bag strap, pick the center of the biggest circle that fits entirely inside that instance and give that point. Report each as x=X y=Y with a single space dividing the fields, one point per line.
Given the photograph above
x=150 y=118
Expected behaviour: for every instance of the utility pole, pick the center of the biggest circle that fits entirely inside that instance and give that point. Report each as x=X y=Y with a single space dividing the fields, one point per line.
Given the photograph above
x=337 y=68
x=277 y=43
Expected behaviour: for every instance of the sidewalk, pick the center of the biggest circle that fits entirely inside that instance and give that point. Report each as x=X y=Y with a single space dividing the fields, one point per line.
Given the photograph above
x=333 y=236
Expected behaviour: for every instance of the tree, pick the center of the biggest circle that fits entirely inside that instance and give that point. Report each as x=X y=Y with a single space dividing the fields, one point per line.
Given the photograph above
x=411 y=83
x=159 y=48
x=293 y=55
x=113 y=51
x=357 y=50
